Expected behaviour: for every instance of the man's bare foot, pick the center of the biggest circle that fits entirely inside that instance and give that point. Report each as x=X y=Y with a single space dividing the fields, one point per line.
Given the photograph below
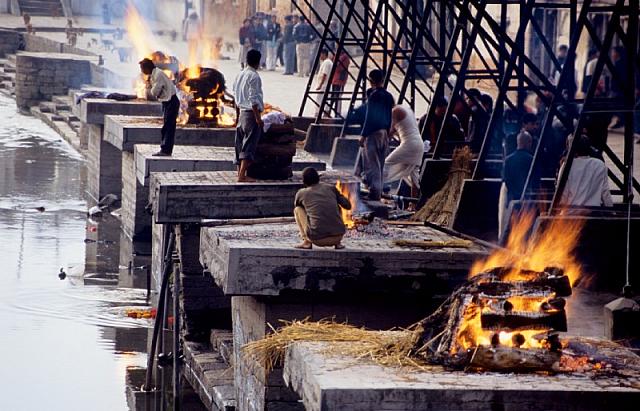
x=305 y=245
x=340 y=246
x=246 y=179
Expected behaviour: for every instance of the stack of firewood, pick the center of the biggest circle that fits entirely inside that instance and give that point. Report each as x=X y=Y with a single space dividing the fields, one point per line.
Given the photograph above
x=274 y=156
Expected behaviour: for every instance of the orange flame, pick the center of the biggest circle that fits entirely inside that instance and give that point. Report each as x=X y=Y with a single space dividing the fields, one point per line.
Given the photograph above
x=139 y=33
x=554 y=245
x=347 y=215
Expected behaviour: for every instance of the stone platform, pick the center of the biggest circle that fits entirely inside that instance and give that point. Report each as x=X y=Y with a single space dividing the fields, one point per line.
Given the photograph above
x=325 y=382
x=262 y=260
x=135 y=196
x=124 y=132
x=105 y=160
x=94 y=110
x=196 y=196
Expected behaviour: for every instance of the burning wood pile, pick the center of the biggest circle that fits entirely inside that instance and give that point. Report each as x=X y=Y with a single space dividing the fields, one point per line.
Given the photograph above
x=499 y=323
x=203 y=98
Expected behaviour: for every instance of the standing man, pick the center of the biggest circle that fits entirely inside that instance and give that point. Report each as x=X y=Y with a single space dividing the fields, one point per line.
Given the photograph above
x=375 y=117
x=302 y=36
x=317 y=212
x=249 y=99
x=326 y=59
x=247 y=39
x=339 y=80
x=514 y=177
x=274 y=32
x=289 y=47
x=260 y=34
x=478 y=121
x=161 y=88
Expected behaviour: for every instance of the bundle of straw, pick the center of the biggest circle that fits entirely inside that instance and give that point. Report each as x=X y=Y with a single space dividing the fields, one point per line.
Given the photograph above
x=385 y=348
x=441 y=206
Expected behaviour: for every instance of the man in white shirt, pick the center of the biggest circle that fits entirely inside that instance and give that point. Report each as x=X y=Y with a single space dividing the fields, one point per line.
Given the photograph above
x=326 y=64
x=250 y=101
x=588 y=181
x=162 y=89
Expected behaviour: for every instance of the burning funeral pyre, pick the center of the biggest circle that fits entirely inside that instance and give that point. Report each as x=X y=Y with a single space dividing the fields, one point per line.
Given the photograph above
x=508 y=315
x=204 y=101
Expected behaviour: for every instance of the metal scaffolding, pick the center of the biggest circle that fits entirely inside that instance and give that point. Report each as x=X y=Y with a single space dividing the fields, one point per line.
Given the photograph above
x=433 y=49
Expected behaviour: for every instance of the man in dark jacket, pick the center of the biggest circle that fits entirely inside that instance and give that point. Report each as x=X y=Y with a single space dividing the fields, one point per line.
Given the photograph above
x=289 y=47
x=375 y=117
x=274 y=32
x=302 y=33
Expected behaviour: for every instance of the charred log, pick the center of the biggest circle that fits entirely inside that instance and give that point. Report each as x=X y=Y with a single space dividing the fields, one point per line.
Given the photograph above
x=506 y=359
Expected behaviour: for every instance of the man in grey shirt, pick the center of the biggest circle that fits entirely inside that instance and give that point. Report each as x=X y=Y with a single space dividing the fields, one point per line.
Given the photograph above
x=317 y=212
x=250 y=101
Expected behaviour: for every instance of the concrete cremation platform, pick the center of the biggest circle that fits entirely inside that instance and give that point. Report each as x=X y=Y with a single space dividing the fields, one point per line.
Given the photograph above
x=125 y=131
x=261 y=260
x=105 y=160
x=195 y=196
x=328 y=382
x=136 y=221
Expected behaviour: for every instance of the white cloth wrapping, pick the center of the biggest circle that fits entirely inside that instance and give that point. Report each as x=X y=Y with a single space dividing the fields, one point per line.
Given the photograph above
x=274 y=117
x=404 y=162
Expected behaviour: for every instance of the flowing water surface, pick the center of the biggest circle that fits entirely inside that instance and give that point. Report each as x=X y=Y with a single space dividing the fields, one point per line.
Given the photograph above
x=65 y=344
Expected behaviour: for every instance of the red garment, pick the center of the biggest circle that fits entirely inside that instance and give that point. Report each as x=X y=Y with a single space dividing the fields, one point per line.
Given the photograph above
x=341 y=74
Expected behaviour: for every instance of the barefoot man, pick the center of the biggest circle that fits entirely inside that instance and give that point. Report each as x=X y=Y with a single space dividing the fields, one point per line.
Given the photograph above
x=317 y=212
x=249 y=98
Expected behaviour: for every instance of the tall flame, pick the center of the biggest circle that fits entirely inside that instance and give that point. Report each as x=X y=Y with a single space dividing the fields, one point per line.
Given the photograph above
x=139 y=33
x=554 y=245
x=347 y=215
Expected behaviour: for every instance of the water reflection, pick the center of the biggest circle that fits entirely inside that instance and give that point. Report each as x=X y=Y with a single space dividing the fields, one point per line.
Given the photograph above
x=66 y=343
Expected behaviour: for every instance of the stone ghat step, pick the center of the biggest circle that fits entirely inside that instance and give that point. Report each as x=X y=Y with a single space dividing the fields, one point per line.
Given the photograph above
x=261 y=260
x=201 y=158
x=210 y=376
x=222 y=342
x=66 y=131
x=331 y=382
x=195 y=196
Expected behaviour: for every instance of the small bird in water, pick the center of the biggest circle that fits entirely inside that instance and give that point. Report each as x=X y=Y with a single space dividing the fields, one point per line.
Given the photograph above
x=62 y=275
x=40 y=209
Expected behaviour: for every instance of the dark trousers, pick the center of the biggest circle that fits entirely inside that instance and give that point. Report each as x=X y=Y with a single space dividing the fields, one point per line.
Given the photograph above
x=170 y=111
x=248 y=135
x=371 y=166
x=336 y=96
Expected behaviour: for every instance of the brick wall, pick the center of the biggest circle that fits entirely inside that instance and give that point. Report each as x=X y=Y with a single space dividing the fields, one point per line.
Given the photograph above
x=9 y=42
x=104 y=175
x=40 y=76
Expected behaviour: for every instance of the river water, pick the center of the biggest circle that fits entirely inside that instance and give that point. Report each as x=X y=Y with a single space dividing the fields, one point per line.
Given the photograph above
x=65 y=344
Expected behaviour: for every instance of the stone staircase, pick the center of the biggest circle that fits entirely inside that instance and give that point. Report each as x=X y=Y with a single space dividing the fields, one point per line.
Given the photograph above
x=8 y=75
x=209 y=370
x=41 y=7
x=58 y=115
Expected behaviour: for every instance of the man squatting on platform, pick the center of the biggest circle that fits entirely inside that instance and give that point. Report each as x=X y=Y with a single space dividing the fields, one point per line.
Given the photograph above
x=250 y=101
x=160 y=87
x=317 y=212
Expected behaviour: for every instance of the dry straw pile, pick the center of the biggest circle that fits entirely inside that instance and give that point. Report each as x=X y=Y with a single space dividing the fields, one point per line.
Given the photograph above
x=441 y=206
x=393 y=348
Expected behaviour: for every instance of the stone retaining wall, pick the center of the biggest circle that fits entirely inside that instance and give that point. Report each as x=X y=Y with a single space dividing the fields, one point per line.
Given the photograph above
x=9 y=42
x=40 y=76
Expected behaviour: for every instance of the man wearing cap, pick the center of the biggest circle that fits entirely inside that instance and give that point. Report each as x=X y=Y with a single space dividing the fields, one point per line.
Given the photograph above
x=375 y=117
x=159 y=87
x=249 y=99
x=317 y=212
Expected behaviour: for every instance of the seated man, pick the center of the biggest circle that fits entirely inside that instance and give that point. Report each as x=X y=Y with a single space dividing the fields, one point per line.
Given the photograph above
x=317 y=212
